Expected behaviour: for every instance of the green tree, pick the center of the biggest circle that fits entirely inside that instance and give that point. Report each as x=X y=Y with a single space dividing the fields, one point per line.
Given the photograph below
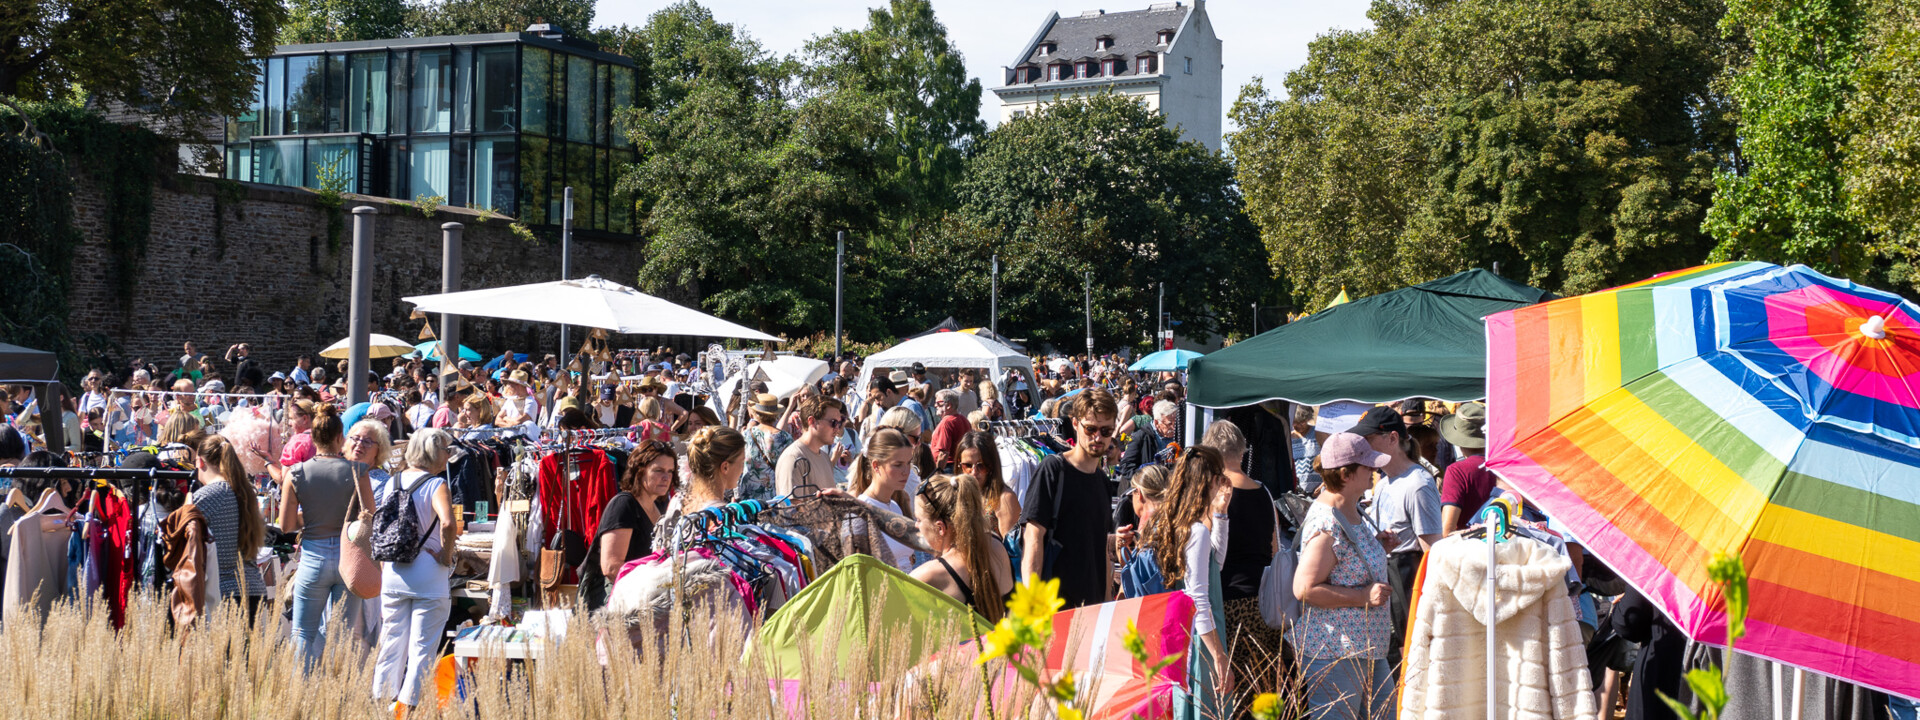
x=1882 y=167
x=1571 y=141
x=1786 y=201
x=466 y=17
x=742 y=182
x=1101 y=184
x=931 y=108
x=319 y=21
x=180 y=62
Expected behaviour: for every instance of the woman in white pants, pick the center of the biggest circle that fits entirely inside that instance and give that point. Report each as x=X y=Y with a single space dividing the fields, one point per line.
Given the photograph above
x=413 y=595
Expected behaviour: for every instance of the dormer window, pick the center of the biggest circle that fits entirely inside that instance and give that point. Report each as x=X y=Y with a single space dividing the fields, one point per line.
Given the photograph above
x=1110 y=67
x=1056 y=71
x=1084 y=70
x=1102 y=43
x=1166 y=36
x=1147 y=64
x=1046 y=49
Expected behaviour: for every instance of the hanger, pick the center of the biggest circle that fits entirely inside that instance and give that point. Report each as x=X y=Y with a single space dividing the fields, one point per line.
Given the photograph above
x=18 y=499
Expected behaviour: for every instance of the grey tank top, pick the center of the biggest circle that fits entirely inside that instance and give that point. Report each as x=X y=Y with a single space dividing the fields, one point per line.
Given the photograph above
x=325 y=489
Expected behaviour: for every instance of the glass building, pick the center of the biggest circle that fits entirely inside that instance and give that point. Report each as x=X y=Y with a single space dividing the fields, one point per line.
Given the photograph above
x=498 y=122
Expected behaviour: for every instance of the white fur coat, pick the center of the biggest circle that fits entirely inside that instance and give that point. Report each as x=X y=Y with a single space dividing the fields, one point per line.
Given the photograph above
x=1541 y=669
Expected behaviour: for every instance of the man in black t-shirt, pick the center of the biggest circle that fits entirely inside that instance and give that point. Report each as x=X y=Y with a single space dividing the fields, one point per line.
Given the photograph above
x=1071 y=504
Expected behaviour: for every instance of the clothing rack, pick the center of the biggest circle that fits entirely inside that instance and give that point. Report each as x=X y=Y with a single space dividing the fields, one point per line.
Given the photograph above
x=91 y=473
x=1026 y=428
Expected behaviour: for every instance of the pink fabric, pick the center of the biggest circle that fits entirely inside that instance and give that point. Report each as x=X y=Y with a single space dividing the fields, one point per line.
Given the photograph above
x=299 y=449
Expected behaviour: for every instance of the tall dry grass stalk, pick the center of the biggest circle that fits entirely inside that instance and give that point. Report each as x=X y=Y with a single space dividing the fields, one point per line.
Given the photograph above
x=74 y=666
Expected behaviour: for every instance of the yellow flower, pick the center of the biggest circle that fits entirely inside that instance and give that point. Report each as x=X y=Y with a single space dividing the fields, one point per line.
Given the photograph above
x=999 y=642
x=1266 y=706
x=1135 y=646
x=1063 y=687
x=1036 y=601
x=1066 y=712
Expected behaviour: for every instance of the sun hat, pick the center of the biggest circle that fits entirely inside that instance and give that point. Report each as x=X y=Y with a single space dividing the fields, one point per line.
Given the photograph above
x=765 y=407
x=1345 y=448
x=1467 y=426
x=899 y=377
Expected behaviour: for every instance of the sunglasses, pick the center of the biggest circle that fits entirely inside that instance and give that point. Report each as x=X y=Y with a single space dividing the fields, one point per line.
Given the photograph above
x=1097 y=430
x=968 y=467
x=836 y=422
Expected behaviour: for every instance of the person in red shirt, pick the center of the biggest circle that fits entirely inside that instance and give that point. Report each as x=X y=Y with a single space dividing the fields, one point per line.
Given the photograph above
x=952 y=427
x=1467 y=483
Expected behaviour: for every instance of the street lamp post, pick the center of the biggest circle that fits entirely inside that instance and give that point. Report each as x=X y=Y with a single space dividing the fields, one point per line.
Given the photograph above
x=993 y=311
x=839 y=281
x=1089 y=286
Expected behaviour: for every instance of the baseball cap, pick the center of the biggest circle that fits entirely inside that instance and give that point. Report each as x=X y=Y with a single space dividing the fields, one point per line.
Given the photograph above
x=606 y=392
x=1378 y=420
x=1345 y=448
x=1339 y=416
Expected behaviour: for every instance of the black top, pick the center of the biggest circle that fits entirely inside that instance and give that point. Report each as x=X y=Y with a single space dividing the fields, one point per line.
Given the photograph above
x=624 y=513
x=1074 y=506
x=1249 y=543
x=966 y=593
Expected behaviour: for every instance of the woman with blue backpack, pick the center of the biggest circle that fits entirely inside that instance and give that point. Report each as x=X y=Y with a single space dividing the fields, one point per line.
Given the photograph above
x=412 y=530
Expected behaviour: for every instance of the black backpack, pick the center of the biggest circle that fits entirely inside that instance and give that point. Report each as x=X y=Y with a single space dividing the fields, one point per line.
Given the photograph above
x=396 y=525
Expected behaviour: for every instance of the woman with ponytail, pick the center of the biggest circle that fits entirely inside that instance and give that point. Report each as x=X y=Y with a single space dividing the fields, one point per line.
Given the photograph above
x=1184 y=533
x=967 y=565
x=316 y=500
x=234 y=520
x=879 y=478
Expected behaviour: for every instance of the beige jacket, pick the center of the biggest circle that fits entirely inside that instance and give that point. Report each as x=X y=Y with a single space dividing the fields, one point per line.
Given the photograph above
x=1541 y=669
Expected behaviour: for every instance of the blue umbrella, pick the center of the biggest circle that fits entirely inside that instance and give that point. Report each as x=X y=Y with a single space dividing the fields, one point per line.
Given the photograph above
x=431 y=347
x=1164 y=361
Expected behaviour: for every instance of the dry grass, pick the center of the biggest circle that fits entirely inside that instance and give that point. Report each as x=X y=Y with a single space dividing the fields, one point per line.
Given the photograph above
x=76 y=667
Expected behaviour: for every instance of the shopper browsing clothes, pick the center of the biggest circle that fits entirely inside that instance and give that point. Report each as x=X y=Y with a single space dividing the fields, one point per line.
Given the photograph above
x=1341 y=582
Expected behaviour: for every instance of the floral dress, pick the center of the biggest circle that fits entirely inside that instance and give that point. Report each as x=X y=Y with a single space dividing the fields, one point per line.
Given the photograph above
x=1350 y=632
x=763 y=450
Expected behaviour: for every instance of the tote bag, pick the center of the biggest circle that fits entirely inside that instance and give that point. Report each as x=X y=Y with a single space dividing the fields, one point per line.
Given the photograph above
x=357 y=568
x=1278 y=606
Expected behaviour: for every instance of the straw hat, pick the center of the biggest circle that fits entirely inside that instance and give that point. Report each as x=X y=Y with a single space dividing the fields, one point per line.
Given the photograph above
x=765 y=407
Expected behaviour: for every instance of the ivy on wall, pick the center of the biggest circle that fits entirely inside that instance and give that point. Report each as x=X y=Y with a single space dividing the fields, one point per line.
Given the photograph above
x=124 y=162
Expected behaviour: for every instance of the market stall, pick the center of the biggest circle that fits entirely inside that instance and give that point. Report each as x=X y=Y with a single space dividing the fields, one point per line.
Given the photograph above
x=949 y=350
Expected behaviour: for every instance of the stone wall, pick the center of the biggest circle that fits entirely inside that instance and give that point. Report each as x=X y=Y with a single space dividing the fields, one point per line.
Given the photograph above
x=271 y=278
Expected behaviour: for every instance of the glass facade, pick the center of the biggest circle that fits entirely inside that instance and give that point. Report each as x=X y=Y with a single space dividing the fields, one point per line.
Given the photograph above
x=499 y=122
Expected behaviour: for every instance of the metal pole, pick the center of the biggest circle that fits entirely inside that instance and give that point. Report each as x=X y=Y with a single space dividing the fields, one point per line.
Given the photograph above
x=1089 y=286
x=839 y=283
x=1256 y=319
x=566 y=261
x=1160 y=335
x=993 y=316
x=449 y=282
x=360 y=308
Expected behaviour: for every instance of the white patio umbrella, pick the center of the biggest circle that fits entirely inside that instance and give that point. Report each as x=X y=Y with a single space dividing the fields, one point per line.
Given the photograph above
x=590 y=302
x=379 y=347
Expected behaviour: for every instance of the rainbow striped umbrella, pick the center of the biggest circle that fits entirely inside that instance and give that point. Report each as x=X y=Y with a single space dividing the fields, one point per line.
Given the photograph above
x=1745 y=408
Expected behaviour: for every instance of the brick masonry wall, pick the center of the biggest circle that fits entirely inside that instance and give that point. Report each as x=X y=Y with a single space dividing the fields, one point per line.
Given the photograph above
x=271 y=279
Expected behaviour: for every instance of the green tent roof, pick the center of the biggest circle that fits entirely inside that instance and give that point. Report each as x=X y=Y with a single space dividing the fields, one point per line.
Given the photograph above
x=1428 y=340
x=837 y=609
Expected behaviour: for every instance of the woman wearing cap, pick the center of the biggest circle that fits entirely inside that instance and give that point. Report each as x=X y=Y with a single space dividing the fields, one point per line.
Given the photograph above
x=612 y=407
x=765 y=442
x=1344 y=625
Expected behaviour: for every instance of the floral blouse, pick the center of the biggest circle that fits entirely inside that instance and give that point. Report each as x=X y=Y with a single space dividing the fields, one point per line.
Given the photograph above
x=763 y=450
x=1348 y=632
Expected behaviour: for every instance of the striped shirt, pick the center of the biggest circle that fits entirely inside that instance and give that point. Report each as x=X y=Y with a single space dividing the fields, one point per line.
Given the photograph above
x=217 y=502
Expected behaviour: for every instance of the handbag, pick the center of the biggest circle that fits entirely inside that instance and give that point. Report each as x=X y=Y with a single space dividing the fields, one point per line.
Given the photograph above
x=1278 y=606
x=357 y=568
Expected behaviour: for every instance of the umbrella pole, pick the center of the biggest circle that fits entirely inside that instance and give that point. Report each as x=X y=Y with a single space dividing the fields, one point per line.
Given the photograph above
x=1492 y=619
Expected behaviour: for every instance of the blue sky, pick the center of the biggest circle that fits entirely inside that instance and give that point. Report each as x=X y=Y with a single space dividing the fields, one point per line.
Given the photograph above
x=1259 y=37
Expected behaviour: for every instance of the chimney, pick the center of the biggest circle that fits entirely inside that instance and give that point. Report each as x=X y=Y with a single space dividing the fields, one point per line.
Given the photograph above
x=1092 y=13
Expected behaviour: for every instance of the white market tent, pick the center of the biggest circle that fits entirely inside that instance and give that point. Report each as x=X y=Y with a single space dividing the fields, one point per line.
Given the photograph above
x=785 y=375
x=948 y=350
x=589 y=302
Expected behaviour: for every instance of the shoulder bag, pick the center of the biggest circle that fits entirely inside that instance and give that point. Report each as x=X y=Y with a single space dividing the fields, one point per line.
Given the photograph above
x=1278 y=606
x=357 y=568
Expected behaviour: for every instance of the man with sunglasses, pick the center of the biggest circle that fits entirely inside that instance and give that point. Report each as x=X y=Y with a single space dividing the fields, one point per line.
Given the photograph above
x=805 y=462
x=1069 y=509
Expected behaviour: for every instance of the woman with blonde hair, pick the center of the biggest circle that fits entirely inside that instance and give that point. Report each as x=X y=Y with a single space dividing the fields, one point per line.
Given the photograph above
x=227 y=499
x=908 y=423
x=715 y=458
x=879 y=479
x=968 y=565
x=475 y=412
x=416 y=593
x=1182 y=536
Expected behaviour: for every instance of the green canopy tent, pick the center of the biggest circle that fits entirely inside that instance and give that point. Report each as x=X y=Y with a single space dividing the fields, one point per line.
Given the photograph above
x=1428 y=340
x=837 y=610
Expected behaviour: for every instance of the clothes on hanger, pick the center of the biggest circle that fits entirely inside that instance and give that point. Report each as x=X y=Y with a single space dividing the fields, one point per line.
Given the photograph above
x=1541 y=661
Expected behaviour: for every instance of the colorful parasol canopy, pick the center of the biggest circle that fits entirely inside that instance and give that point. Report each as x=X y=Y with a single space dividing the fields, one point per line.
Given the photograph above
x=1744 y=408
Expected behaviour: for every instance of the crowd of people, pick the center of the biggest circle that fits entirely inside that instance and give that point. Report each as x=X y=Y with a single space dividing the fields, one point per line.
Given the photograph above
x=1116 y=507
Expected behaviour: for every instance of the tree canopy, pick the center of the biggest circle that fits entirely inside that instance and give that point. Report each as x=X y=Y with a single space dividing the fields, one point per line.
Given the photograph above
x=1572 y=142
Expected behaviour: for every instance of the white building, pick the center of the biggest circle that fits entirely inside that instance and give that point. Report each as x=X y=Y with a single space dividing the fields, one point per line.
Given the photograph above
x=1166 y=56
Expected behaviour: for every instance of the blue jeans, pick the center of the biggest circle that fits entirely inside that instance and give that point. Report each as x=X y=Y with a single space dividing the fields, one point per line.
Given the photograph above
x=1348 y=689
x=316 y=588
x=1902 y=708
